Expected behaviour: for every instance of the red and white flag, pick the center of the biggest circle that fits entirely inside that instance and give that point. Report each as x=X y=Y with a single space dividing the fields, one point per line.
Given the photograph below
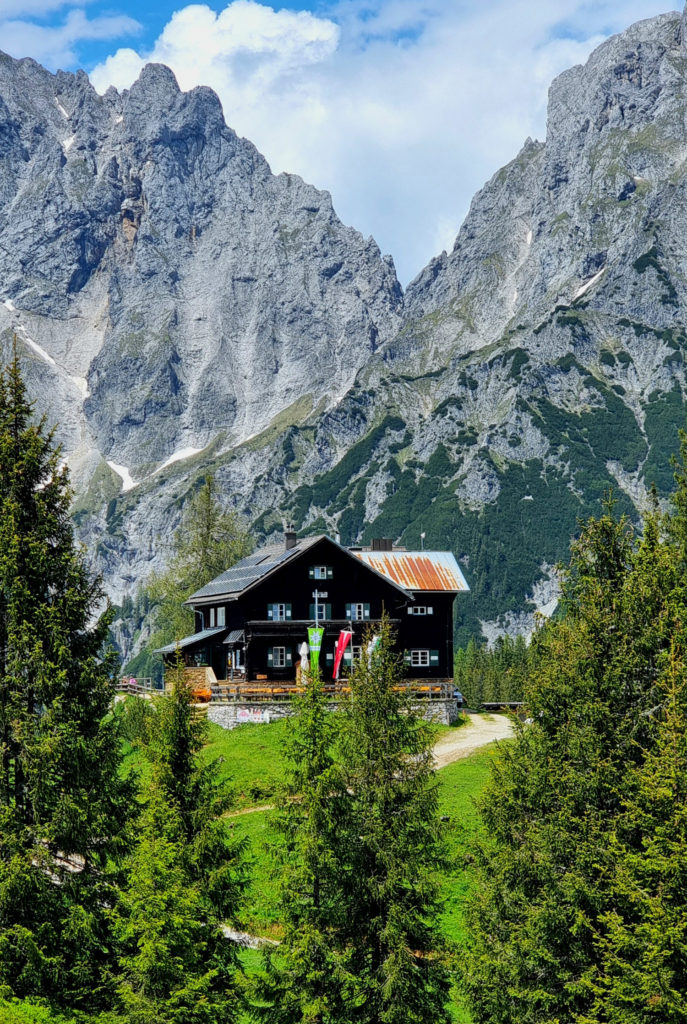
x=341 y=645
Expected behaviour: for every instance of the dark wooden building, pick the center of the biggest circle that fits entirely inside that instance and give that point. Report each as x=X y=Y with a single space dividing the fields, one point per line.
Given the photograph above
x=251 y=621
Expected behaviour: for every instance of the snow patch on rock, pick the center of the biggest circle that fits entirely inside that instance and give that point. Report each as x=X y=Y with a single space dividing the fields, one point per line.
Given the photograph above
x=585 y=287
x=128 y=483
x=179 y=456
x=35 y=347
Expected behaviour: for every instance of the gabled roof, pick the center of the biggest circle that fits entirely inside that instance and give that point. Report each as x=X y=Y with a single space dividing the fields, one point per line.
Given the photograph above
x=204 y=634
x=418 y=570
x=256 y=567
x=407 y=571
x=250 y=570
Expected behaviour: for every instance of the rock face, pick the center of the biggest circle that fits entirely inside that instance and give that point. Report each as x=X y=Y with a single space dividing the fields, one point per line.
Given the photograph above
x=541 y=362
x=170 y=289
x=182 y=309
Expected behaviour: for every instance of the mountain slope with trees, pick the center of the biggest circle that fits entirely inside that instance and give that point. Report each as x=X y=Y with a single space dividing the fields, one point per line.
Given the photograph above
x=522 y=374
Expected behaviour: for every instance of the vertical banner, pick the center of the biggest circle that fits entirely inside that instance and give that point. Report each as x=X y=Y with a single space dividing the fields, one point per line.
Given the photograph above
x=371 y=648
x=315 y=643
x=341 y=644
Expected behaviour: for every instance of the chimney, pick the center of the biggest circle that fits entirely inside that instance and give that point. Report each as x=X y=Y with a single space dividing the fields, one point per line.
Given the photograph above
x=290 y=538
x=382 y=544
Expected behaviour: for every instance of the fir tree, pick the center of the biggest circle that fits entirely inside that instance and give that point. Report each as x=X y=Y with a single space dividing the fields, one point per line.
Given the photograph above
x=304 y=979
x=63 y=807
x=641 y=973
x=557 y=795
x=394 y=849
x=185 y=880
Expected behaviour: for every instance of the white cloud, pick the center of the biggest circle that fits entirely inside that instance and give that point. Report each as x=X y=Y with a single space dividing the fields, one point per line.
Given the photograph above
x=401 y=108
x=55 y=44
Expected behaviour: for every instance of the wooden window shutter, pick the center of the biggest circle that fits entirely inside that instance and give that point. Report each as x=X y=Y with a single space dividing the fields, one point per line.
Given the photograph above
x=406 y=657
x=270 y=611
x=348 y=611
x=270 y=655
x=289 y=656
x=311 y=611
x=311 y=572
x=330 y=573
x=288 y=611
x=366 y=611
x=434 y=657
x=329 y=657
x=327 y=611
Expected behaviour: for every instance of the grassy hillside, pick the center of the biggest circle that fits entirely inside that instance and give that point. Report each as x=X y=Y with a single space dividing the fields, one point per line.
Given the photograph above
x=252 y=757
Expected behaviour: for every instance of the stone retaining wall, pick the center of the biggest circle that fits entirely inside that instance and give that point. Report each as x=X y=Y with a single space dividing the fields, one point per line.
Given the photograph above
x=229 y=715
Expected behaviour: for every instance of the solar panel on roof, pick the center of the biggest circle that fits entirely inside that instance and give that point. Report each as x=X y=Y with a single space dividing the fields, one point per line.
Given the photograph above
x=250 y=569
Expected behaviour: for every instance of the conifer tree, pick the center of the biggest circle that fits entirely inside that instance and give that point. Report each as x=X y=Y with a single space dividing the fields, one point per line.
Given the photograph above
x=63 y=807
x=394 y=849
x=185 y=880
x=208 y=541
x=305 y=978
x=362 y=850
x=641 y=974
x=545 y=875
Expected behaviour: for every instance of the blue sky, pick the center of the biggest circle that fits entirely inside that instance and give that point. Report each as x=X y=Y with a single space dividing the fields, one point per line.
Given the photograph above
x=400 y=108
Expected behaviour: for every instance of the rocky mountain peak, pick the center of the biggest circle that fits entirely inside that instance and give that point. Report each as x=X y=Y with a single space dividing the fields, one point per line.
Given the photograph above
x=170 y=292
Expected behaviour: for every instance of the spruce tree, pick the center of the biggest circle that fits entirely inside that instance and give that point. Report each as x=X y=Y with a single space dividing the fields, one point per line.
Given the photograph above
x=544 y=882
x=185 y=880
x=641 y=973
x=394 y=850
x=305 y=977
x=63 y=807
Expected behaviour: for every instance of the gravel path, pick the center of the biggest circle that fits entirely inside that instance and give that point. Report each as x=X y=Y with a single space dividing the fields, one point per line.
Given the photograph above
x=476 y=733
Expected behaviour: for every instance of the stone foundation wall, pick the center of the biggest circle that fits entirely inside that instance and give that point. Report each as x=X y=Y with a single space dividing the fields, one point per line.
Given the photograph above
x=231 y=714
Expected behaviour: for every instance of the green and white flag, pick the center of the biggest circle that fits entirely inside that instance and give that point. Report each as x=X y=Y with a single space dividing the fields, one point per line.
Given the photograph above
x=315 y=643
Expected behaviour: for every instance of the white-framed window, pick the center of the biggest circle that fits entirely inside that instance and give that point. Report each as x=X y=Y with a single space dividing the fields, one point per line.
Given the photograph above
x=358 y=611
x=321 y=572
x=420 y=609
x=279 y=612
x=217 y=617
x=279 y=657
x=420 y=658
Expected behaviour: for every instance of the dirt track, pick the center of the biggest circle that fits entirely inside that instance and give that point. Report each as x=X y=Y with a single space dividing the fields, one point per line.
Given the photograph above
x=476 y=733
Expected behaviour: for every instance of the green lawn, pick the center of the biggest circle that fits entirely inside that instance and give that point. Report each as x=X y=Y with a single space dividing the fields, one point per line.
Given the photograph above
x=252 y=757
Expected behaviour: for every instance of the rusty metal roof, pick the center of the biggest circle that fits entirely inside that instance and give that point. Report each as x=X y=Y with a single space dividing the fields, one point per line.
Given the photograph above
x=417 y=570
